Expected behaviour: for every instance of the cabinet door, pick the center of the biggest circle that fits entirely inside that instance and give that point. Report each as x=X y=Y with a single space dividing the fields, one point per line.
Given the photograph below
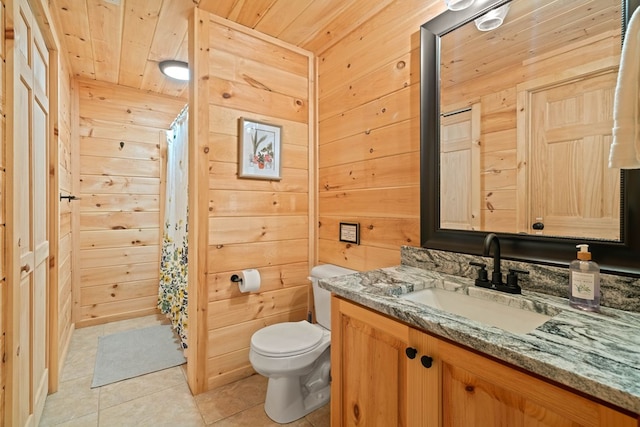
x=423 y=381
x=368 y=367
x=477 y=391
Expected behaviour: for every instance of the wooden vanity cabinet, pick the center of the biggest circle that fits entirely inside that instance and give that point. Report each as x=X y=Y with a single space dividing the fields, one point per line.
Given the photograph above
x=378 y=380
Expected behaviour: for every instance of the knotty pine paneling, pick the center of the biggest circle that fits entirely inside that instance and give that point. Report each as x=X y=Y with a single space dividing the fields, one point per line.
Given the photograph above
x=369 y=137
x=381 y=232
x=247 y=223
x=275 y=277
x=3 y=204
x=120 y=131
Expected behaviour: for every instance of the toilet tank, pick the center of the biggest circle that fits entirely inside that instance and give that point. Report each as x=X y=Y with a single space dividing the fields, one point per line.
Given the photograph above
x=322 y=297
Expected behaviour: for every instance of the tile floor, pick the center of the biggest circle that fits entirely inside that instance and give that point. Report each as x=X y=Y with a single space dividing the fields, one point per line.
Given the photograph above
x=157 y=399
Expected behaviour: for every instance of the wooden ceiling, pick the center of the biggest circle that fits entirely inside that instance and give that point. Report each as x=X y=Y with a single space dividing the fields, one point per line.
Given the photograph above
x=531 y=29
x=122 y=41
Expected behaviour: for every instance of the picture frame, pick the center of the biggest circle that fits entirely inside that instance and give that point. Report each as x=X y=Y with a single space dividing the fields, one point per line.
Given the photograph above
x=350 y=232
x=259 y=150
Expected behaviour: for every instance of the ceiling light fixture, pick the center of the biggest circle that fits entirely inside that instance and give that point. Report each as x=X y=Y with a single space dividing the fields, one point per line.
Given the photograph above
x=458 y=4
x=178 y=70
x=492 y=19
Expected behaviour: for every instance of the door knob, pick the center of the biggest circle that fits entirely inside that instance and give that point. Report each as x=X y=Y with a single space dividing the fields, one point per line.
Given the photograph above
x=25 y=268
x=411 y=352
x=426 y=361
x=538 y=226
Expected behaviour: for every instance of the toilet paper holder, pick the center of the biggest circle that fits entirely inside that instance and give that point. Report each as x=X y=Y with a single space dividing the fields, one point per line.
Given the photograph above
x=236 y=279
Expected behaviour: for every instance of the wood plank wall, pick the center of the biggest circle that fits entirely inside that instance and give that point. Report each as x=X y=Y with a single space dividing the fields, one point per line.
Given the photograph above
x=369 y=137
x=247 y=223
x=3 y=201
x=120 y=232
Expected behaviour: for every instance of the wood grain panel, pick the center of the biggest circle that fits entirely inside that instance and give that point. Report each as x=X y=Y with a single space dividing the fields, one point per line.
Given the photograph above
x=228 y=368
x=120 y=203
x=235 y=337
x=388 y=233
x=236 y=41
x=498 y=161
x=119 y=238
x=249 y=223
x=65 y=223
x=390 y=77
x=99 y=128
x=112 y=311
x=256 y=305
x=383 y=172
x=256 y=255
x=385 y=36
x=372 y=144
x=275 y=277
x=258 y=99
x=122 y=132
x=383 y=111
x=229 y=230
x=236 y=68
x=497 y=141
x=119 y=148
x=226 y=203
x=352 y=16
x=123 y=105
x=118 y=220
x=119 y=256
x=92 y=165
x=400 y=202
x=126 y=273
x=140 y=20
x=119 y=184
x=119 y=291
x=499 y=220
x=224 y=176
x=225 y=121
x=357 y=257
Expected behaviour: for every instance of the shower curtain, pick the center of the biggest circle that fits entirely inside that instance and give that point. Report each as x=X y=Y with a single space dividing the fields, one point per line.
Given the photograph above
x=172 y=296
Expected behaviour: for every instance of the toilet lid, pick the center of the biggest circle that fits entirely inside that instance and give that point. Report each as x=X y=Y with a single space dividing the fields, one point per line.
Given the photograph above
x=286 y=339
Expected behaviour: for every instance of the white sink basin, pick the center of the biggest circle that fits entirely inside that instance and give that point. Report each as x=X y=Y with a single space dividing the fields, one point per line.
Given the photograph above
x=516 y=320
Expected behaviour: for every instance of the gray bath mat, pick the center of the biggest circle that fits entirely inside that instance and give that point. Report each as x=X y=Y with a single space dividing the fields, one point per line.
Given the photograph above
x=137 y=352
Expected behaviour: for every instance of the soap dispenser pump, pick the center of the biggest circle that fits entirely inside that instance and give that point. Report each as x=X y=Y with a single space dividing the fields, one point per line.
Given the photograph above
x=584 y=281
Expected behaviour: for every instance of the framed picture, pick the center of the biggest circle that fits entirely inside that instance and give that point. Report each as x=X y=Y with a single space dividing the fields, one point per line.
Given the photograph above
x=350 y=232
x=260 y=150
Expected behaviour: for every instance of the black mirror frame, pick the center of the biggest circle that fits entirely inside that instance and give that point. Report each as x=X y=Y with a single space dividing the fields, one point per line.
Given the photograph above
x=622 y=258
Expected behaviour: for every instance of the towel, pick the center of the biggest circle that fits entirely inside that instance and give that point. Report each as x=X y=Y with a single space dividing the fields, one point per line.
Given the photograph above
x=625 y=148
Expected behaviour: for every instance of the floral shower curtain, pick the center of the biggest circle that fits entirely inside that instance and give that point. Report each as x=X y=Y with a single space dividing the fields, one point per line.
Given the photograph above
x=172 y=297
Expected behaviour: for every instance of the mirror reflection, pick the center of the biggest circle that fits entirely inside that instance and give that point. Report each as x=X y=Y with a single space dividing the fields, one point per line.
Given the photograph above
x=526 y=118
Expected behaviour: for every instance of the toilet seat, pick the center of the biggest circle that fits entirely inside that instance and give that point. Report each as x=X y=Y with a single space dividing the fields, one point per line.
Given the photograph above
x=286 y=339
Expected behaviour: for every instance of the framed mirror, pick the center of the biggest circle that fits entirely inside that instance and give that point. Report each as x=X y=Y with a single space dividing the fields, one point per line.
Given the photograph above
x=491 y=97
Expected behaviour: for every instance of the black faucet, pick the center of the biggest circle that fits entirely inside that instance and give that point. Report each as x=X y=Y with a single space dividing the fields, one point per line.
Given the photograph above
x=511 y=286
x=492 y=240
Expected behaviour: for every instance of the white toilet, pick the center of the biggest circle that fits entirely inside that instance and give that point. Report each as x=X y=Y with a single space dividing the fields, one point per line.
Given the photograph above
x=295 y=356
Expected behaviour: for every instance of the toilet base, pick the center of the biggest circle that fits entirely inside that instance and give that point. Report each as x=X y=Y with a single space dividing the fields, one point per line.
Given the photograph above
x=285 y=403
x=292 y=397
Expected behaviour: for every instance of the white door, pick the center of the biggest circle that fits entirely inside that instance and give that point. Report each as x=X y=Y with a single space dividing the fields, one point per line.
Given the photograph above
x=28 y=149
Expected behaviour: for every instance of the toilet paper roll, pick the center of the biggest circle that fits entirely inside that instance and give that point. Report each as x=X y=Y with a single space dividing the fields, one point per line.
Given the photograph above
x=250 y=280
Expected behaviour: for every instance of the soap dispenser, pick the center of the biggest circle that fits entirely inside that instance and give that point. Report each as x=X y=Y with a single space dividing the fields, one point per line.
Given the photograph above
x=584 y=281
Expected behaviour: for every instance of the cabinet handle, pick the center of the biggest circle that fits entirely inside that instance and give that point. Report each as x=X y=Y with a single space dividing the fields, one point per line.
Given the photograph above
x=426 y=361
x=411 y=352
x=25 y=268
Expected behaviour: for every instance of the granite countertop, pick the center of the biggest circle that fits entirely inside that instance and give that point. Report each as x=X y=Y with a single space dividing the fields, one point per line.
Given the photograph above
x=596 y=353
